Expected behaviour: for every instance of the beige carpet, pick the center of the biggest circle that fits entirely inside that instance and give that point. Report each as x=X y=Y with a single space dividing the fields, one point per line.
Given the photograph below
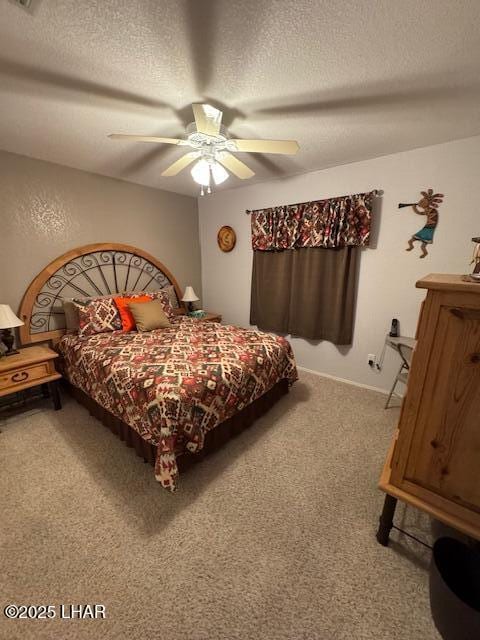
x=270 y=538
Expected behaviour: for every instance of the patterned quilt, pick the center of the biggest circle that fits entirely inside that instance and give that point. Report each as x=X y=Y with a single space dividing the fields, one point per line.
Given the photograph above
x=173 y=385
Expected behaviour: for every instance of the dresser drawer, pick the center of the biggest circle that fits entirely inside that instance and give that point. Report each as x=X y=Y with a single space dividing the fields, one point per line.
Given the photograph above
x=24 y=375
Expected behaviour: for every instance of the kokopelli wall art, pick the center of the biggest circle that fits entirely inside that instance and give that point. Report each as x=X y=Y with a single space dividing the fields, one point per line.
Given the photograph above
x=426 y=206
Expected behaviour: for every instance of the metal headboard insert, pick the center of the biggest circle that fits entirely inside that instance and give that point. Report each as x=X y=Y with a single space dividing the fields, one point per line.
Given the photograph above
x=94 y=270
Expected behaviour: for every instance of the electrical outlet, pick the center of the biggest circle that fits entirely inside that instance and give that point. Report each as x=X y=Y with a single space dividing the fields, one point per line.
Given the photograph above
x=372 y=360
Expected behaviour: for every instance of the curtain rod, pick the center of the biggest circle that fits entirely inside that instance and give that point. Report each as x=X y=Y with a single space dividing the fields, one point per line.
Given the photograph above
x=375 y=192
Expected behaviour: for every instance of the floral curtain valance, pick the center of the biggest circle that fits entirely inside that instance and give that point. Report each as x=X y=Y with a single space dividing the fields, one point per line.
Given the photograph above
x=332 y=223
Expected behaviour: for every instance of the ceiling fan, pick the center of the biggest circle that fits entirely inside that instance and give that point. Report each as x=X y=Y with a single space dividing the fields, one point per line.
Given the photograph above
x=213 y=148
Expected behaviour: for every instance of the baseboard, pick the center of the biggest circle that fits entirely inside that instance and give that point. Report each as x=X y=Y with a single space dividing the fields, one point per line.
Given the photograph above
x=350 y=382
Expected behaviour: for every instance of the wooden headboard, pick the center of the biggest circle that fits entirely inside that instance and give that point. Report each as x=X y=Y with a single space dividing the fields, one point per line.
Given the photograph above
x=92 y=270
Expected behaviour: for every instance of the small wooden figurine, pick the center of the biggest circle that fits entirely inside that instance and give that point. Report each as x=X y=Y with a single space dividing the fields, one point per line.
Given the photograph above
x=426 y=206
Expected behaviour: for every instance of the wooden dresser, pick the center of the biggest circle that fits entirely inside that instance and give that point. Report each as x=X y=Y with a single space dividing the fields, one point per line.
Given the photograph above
x=434 y=460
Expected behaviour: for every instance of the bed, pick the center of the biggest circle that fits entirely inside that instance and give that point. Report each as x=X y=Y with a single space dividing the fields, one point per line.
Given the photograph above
x=170 y=393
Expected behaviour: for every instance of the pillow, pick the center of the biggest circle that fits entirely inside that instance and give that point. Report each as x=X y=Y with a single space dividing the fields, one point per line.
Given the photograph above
x=71 y=311
x=163 y=295
x=128 y=322
x=71 y=315
x=172 y=294
x=149 y=315
x=169 y=290
x=165 y=298
x=97 y=316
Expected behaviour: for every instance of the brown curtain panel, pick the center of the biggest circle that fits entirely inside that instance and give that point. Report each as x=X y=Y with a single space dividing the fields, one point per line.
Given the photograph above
x=305 y=266
x=306 y=292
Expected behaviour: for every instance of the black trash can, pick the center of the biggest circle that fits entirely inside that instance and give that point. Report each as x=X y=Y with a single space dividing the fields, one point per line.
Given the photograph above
x=455 y=590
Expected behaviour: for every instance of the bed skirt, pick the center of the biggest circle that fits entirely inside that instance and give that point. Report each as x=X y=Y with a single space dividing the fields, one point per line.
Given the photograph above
x=214 y=439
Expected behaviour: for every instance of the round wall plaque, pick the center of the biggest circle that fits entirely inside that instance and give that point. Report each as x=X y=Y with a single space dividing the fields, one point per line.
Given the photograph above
x=226 y=238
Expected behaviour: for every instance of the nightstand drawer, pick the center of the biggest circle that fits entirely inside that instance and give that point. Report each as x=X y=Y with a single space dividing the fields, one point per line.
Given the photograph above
x=24 y=376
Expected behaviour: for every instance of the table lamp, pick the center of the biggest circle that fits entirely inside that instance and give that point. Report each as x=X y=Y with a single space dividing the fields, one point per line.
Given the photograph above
x=190 y=297
x=8 y=320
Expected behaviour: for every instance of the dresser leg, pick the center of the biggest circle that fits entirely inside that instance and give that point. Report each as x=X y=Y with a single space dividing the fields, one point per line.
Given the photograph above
x=386 y=520
x=55 y=393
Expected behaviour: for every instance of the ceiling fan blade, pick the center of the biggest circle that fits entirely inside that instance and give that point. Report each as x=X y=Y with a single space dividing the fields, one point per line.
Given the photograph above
x=286 y=147
x=181 y=163
x=207 y=118
x=235 y=165
x=126 y=136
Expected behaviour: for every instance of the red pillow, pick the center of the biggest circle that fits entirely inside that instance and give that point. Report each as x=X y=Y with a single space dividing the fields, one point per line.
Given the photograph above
x=128 y=322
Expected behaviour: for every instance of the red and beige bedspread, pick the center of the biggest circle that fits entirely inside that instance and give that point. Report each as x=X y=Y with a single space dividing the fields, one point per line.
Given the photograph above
x=173 y=385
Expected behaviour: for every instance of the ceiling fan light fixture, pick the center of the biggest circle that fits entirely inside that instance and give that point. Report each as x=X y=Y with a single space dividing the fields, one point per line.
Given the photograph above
x=219 y=173
x=201 y=173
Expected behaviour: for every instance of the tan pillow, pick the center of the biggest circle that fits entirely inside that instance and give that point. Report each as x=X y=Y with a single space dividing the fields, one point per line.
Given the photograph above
x=149 y=315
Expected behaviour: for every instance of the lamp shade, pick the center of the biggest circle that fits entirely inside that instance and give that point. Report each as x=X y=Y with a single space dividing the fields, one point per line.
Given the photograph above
x=7 y=318
x=201 y=173
x=218 y=172
x=190 y=295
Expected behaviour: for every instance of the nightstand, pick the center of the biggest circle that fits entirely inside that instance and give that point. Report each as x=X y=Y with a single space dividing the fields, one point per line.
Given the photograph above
x=31 y=367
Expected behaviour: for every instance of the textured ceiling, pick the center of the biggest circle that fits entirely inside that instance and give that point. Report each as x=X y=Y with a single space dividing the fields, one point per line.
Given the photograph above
x=348 y=80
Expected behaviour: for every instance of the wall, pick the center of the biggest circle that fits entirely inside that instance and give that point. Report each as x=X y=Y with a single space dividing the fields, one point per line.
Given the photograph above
x=387 y=272
x=47 y=209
